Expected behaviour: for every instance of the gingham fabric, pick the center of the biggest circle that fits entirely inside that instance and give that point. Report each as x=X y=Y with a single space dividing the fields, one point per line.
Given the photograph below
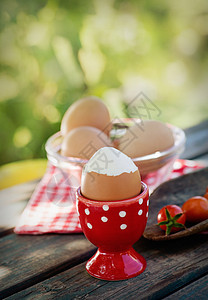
x=52 y=207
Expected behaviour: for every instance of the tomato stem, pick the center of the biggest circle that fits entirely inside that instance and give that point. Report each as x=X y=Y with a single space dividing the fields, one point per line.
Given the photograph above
x=171 y=222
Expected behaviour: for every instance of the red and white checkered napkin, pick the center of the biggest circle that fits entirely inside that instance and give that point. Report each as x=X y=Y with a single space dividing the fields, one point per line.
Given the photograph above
x=52 y=207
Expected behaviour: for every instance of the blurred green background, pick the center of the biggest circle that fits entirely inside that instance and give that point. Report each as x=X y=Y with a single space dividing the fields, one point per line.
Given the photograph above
x=54 y=52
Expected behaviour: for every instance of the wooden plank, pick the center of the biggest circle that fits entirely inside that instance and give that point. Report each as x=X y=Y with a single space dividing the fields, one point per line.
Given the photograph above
x=203 y=159
x=17 y=282
x=197 y=289
x=170 y=265
x=12 y=202
x=197 y=141
x=17 y=193
x=9 y=216
x=177 y=191
x=26 y=260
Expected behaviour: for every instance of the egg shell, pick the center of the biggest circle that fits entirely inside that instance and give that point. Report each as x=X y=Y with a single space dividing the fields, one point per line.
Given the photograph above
x=145 y=138
x=83 y=142
x=89 y=111
x=102 y=187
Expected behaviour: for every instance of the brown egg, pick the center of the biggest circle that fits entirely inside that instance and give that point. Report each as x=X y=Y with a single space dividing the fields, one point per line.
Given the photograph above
x=110 y=175
x=89 y=111
x=83 y=142
x=146 y=138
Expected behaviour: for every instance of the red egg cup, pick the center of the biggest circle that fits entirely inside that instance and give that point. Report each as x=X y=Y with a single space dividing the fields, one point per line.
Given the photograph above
x=114 y=226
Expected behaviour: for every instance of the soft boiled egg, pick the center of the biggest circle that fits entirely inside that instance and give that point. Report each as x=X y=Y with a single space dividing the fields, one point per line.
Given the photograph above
x=83 y=142
x=110 y=175
x=89 y=111
x=145 y=138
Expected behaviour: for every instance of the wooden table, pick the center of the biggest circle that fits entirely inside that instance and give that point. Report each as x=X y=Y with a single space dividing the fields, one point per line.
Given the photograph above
x=52 y=266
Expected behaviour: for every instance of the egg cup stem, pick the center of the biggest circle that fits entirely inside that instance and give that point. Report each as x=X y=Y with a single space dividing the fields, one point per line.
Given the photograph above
x=116 y=265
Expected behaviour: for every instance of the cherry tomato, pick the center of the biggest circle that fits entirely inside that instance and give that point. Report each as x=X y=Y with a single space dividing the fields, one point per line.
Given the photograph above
x=196 y=209
x=206 y=194
x=171 y=218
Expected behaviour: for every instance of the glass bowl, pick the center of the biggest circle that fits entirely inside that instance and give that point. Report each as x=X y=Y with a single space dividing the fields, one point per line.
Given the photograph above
x=154 y=168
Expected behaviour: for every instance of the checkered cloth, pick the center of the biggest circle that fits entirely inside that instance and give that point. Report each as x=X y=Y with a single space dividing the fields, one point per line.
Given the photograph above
x=52 y=207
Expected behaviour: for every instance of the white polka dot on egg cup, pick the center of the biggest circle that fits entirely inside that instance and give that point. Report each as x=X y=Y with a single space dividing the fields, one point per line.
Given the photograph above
x=114 y=226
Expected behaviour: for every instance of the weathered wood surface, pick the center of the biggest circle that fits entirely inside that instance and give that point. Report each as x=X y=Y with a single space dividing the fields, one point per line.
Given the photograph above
x=153 y=232
x=170 y=266
x=177 y=191
x=50 y=266
x=203 y=159
x=12 y=202
x=197 y=141
x=196 y=290
x=17 y=193
x=25 y=260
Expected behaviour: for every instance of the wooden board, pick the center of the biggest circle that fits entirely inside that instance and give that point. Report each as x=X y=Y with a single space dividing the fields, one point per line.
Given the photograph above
x=197 y=141
x=196 y=290
x=26 y=260
x=203 y=159
x=171 y=265
x=154 y=232
x=50 y=266
x=12 y=202
x=177 y=191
